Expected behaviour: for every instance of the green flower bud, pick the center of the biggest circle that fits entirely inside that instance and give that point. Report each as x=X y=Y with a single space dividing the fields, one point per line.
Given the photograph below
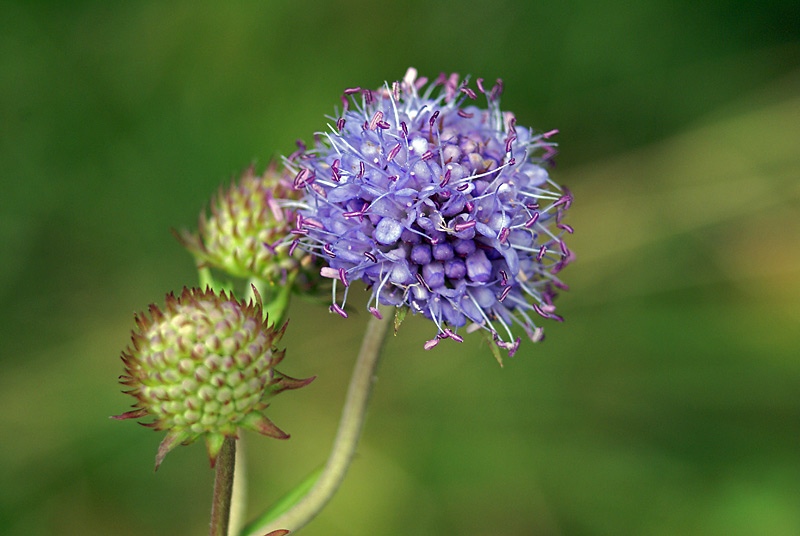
x=202 y=368
x=245 y=233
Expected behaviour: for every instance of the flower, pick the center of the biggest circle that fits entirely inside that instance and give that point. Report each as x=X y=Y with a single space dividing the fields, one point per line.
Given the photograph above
x=246 y=223
x=202 y=367
x=438 y=206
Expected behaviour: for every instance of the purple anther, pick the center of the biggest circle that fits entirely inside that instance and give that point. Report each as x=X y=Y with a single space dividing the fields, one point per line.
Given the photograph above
x=329 y=251
x=463 y=187
x=394 y=177
x=354 y=214
x=298 y=221
x=469 y=206
x=445 y=179
x=270 y=247
x=405 y=128
x=463 y=226
x=293 y=247
x=373 y=124
x=345 y=103
x=530 y=222
x=300 y=178
x=433 y=117
x=559 y=284
x=511 y=125
x=336 y=309
x=448 y=332
x=384 y=125
x=396 y=90
x=377 y=314
x=465 y=115
x=343 y=277
x=505 y=292
x=311 y=222
x=370 y=256
x=567 y=228
x=539 y=310
x=563 y=246
x=393 y=153
x=366 y=125
x=335 y=171
x=430 y=344
x=512 y=161
x=368 y=97
x=565 y=200
x=532 y=206
x=550 y=133
x=294 y=155
x=542 y=251
x=340 y=124
x=510 y=141
x=361 y=170
x=427 y=156
x=504 y=278
x=480 y=85
x=351 y=90
x=503 y=236
x=299 y=232
x=470 y=93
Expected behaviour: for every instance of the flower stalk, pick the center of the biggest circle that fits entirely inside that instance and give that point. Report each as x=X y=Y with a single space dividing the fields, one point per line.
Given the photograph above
x=347 y=435
x=223 y=488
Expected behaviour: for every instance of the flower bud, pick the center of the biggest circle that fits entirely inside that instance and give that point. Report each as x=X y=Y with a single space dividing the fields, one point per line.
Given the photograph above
x=202 y=367
x=244 y=234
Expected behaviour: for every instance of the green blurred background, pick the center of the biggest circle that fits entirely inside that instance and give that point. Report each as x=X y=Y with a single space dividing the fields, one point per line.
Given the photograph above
x=668 y=402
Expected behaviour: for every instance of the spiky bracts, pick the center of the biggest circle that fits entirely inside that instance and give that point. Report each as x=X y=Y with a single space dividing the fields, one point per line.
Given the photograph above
x=438 y=206
x=246 y=222
x=202 y=368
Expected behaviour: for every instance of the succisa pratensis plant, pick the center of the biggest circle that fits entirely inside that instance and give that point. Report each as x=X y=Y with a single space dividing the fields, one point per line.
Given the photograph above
x=439 y=206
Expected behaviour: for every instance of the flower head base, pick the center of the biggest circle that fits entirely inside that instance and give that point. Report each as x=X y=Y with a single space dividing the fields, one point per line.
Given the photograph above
x=245 y=224
x=437 y=205
x=202 y=368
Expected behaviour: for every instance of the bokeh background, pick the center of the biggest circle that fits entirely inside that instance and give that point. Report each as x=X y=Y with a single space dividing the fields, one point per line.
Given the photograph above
x=668 y=401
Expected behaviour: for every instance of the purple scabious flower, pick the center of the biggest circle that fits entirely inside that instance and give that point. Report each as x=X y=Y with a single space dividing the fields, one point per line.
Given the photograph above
x=437 y=205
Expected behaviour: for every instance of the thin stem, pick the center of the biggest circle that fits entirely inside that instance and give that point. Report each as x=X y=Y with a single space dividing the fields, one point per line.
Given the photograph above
x=223 y=488
x=347 y=435
x=239 y=492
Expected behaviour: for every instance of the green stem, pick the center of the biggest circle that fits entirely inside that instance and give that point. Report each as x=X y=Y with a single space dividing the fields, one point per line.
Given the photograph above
x=347 y=435
x=223 y=488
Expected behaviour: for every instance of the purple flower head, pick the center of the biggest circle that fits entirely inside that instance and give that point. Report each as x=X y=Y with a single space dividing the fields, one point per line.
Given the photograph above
x=437 y=205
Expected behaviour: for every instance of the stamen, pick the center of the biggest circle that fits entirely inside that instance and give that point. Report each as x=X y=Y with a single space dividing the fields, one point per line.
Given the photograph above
x=504 y=232
x=550 y=133
x=464 y=114
x=340 y=124
x=452 y=335
x=505 y=292
x=343 y=277
x=463 y=187
x=370 y=256
x=530 y=222
x=463 y=226
x=542 y=251
x=352 y=90
x=375 y=120
x=376 y=313
x=567 y=228
x=427 y=156
x=430 y=344
x=329 y=251
x=433 y=118
x=470 y=93
x=336 y=309
x=293 y=246
x=393 y=153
